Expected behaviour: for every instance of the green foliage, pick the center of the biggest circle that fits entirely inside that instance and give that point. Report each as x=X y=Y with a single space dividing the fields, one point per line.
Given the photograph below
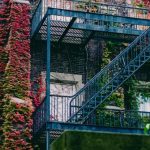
x=131 y=94
x=116 y=99
x=131 y=90
x=112 y=49
x=146 y=129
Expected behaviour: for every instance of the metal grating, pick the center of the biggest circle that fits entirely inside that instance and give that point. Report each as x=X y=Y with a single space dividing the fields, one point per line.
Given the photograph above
x=77 y=36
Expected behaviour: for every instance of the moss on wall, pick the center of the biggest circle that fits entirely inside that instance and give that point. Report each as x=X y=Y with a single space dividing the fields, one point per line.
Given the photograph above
x=74 y=140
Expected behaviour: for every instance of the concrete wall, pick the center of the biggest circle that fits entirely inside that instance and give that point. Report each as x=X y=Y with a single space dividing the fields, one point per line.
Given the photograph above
x=73 y=140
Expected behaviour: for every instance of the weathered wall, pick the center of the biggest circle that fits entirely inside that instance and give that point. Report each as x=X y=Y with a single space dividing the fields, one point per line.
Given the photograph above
x=73 y=140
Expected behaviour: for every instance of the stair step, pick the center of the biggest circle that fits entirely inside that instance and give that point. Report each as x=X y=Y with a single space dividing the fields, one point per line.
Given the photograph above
x=123 y=66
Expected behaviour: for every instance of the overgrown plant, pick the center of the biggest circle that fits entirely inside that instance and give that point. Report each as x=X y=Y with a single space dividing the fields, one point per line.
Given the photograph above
x=17 y=106
x=111 y=49
x=4 y=30
x=131 y=94
x=147 y=128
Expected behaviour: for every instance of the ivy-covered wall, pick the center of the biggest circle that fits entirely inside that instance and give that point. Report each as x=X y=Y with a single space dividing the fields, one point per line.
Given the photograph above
x=15 y=99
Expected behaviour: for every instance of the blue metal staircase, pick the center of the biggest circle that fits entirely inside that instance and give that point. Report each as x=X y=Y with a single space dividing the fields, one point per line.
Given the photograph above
x=103 y=84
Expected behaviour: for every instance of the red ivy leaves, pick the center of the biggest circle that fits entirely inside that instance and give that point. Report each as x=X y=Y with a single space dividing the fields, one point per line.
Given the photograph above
x=38 y=94
x=16 y=41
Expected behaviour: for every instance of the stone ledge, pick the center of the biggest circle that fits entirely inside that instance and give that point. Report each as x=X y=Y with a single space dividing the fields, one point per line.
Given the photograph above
x=21 y=1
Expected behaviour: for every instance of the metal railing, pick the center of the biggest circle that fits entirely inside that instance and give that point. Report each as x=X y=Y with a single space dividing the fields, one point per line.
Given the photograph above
x=39 y=117
x=119 y=118
x=59 y=111
x=38 y=14
x=100 y=8
x=109 y=78
x=59 y=108
x=92 y=7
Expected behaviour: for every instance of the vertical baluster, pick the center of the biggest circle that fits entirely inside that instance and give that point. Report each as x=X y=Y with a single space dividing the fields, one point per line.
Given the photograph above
x=70 y=108
x=113 y=119
x=52 y=108
x=67 y=116
x=80 y=101
x=74 y=108
x=62 y=99
x=42 y=114
x=38 y=118
x=57 y=104
x=40 y=110
x=73 y=103
x=100 y=9
x=141 y=119
x=53 y=100
x=65 y=108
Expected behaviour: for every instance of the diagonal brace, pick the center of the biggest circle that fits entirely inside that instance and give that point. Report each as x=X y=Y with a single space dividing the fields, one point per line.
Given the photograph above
x=67 y=29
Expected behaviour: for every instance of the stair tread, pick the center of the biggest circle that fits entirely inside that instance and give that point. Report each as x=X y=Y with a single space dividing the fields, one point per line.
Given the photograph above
x=121 y=68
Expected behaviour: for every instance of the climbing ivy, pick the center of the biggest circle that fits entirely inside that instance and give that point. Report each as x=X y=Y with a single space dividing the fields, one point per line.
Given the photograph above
x=111 y=49
x=131 y=94
x=127 y=95
x=15 y=99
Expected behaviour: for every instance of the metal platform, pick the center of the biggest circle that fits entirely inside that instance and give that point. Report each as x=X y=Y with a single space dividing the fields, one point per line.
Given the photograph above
x=77 y=25
x=103 y=119
x=80 y=33
x=55 y=129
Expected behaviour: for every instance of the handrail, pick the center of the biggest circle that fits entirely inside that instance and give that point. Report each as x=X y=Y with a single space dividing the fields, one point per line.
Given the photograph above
x=115 y=5
x=98 y=4
x=43 y=101
x=107 y=66
x=111 y=75
x=61 y=95
x=96 y=94
x=124 y=110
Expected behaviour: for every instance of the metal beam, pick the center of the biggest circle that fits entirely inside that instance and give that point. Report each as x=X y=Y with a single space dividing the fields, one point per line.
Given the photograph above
x=94 y=16
x=67 y=29
x=81 y=127
x=112 y=29
x=93 y=27
x=100 y=28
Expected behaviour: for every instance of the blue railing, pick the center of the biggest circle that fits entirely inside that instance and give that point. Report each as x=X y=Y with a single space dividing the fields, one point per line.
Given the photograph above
x=59 y=108
x=119 y=118
x=59 y=111
x=108 y=79
x=101 y=8
x=92 y=7
x=38 y=15
x=39 y=117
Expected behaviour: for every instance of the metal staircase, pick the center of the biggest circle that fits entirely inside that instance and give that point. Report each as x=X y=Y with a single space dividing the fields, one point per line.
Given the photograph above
x=103 y=84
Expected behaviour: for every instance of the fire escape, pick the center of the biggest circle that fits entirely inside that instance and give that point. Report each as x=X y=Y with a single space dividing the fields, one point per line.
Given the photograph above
x=76 y=23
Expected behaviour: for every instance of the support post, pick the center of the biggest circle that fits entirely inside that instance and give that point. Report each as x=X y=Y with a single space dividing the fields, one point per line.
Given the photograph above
x=48 y=82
